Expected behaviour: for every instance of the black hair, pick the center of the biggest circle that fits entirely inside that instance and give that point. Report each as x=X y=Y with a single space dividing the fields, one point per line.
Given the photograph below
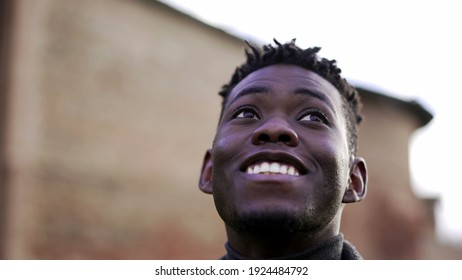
x=289 y=53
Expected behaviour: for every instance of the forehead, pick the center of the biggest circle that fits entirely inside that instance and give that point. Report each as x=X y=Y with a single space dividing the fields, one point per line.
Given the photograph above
x=286 y=78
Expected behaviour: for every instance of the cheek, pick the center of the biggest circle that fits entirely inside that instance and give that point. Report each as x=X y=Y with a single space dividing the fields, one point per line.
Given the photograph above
x=222 y=153
x=333 y=157
x=227 y=146
x=225 y=150
x=228 y=134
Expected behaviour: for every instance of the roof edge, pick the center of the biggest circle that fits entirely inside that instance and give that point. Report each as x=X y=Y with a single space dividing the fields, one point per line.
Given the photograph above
x=422 y=114
x=179 y=11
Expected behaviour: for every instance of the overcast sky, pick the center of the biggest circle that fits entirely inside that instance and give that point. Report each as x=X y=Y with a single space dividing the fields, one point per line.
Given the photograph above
x=407 y=49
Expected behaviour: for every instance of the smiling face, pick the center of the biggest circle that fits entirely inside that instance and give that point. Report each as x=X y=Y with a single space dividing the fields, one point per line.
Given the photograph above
x=280 y=158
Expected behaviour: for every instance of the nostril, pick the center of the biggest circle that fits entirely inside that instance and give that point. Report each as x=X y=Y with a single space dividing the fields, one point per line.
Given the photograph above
x=284 y=138
x=263 y=138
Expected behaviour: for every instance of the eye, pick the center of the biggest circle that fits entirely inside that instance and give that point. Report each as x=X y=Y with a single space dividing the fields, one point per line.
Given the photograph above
x=246 y=113
x=315 y=116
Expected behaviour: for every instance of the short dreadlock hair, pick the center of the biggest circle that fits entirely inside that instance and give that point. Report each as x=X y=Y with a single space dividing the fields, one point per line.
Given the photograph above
x=289 y=53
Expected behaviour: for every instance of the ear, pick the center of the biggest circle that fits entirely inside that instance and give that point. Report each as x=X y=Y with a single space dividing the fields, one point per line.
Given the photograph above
x=205 y=181
x=357 y=183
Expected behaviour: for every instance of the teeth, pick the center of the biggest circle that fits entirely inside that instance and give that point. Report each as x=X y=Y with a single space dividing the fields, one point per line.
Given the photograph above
x=249 y=170
x=272 y=168
x=291 y=170
x=264 y=167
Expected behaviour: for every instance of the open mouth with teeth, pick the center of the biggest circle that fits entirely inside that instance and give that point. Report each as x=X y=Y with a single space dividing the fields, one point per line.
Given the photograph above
x=272 y=168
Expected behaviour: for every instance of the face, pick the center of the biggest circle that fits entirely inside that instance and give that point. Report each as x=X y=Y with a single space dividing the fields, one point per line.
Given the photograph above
x=280 y=157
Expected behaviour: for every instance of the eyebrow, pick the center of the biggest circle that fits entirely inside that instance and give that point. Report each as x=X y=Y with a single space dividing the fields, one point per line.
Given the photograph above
x=298 y=91
x=315 y=94
x=252 y=90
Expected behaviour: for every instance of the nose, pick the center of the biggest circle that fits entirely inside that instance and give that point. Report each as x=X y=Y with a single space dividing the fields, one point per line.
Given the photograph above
x=275 y=130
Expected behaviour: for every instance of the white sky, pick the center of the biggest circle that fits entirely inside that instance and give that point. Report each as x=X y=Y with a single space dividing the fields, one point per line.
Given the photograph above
x=408 y=49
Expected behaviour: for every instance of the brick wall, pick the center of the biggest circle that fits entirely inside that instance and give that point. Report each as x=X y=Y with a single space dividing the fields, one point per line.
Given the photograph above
x=113 y=106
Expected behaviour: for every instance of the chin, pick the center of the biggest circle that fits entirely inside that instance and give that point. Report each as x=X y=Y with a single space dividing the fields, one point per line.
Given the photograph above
x=275 y=222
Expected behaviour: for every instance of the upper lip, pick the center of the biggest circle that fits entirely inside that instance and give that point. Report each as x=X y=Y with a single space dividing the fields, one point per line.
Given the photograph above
x=277 y=156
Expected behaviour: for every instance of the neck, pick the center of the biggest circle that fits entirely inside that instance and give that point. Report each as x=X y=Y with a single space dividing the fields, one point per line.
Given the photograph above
x=267 y=246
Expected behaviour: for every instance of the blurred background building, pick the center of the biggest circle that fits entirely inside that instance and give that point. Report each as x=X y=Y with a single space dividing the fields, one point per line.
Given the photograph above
x=106 y=110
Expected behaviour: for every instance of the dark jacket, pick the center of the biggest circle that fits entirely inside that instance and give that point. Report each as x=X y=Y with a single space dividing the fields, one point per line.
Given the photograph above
x=336 y=248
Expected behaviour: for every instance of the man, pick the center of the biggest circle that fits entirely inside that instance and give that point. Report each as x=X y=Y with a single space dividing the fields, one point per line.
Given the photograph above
x=283 y=162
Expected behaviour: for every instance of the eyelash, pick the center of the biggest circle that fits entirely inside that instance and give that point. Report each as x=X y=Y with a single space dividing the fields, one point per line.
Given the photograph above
x=317 y=112
x=244 y=109
x=320 y=114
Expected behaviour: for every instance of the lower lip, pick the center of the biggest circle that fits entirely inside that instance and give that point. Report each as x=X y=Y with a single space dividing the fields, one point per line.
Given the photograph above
x=270 y=177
